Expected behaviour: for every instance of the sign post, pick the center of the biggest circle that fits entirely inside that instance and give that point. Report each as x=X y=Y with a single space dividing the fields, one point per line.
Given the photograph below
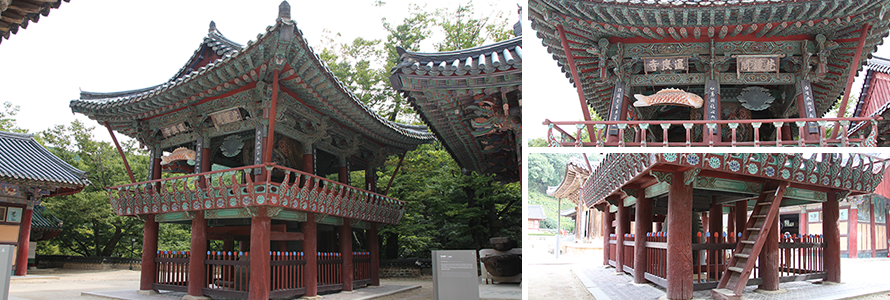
x=6 y=253
x=454 y=275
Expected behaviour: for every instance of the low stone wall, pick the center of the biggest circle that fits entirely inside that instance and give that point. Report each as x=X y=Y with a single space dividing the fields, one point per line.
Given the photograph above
x=87 y=263
x=407 y=267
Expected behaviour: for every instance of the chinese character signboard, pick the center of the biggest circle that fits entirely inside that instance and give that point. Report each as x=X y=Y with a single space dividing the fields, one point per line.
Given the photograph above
x=713 y=111
x=757 y=64
x=809 y=105
x=615 y=110
x=659 y=64
x=174 y=129
x=226 y=117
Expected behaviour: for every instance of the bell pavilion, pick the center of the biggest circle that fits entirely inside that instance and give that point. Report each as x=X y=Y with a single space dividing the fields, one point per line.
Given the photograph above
x=251 y=134
x=664 y=214
x=711 y=73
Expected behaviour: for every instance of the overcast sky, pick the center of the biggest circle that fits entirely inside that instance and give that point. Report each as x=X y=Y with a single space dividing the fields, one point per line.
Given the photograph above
x=109 y=46
x=549 y=95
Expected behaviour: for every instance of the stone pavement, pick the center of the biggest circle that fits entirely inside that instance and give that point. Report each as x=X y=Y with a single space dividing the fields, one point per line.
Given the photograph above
x=860 y=277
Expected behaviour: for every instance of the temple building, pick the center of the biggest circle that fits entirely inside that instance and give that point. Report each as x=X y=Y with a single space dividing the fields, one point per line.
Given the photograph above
x=664 y=215
x=705 y=73
x=874 y=99
x=251 y=133
x=472 y=100
x=588 y=221
x=29 y=173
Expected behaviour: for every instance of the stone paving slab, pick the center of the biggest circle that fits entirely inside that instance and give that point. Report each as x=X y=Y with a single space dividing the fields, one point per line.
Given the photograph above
x=370 y=292
x=32 y=278
x=604 y=284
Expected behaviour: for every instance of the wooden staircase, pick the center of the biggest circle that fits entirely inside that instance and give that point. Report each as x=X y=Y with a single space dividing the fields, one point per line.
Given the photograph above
x=763 y=217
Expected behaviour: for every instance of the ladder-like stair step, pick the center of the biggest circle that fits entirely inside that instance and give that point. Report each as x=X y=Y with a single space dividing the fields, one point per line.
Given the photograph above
x=764 y=203
x=748 y=242
x=742 y=255
x=759 y=216
x=754 y=228
x=736 y=269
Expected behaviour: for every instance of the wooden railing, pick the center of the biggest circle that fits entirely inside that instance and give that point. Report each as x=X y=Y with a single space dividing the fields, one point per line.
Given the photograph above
x=361 y=263
x=288 y=274
x=228 y=273
x=629 y=253
x=330 y=269
x=800 y=258
x=235 y=188
x=564 y=138
x=172 y=271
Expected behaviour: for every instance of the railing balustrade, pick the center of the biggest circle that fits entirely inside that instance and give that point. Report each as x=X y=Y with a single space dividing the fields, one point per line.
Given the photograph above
x=613 y=250
x=361 y=263
x=629 y=252
x=235 y=188
x=228 y=273
x=287 y=274
x=330 y=271
x=172 y=271
x=698 y=133
x=800 y=258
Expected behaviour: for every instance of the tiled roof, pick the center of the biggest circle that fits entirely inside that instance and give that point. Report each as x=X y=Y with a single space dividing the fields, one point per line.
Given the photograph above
x=237 y=67
x=42 y=219
x=501 y=56
x=17 y=14
x=22 y=158
x=536 y=212
x=875 y=64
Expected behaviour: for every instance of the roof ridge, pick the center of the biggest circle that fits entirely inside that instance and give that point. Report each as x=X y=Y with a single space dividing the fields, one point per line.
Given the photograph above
x=23 y=136
x=473 y=49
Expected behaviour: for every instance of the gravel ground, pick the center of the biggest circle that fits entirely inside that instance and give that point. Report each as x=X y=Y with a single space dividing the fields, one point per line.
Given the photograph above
x=550 y=278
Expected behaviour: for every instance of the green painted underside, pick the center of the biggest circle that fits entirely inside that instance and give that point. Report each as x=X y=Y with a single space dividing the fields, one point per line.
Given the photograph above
x=704 y=183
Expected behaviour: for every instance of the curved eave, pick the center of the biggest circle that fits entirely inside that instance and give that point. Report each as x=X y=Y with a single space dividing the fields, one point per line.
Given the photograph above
x=19 y=14
x=500 y=56
x=242 y=70
x=586 y=21
x=570 y=186
x=23 y=160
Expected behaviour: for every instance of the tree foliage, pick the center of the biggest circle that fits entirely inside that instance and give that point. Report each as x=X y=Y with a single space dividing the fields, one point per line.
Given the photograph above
x=449 y=209
x=7 y=118
x=91 y=227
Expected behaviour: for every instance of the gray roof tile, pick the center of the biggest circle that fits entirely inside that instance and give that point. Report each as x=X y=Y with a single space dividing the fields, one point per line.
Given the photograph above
x=22 y=158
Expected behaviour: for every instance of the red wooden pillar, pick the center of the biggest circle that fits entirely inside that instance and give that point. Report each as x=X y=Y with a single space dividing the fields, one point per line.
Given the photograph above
x=622 y=228
x=21 y=256
x=769 y=259
x=371 y=179
x=150 y=236
x=741 y=216
x=679 y=239
x=832 y=237
x=196 y=276
x=642 y=225
x=853 y=235
x=260 y=259
x=607 y=230
x=346 y=253
x=705 y=222
x=374 y=251
x=871 y=216
x=310 y=243
x=343 y=172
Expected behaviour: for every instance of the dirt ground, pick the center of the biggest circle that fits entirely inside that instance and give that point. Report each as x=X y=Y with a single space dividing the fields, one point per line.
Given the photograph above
x=549 y=278
x=72 y=282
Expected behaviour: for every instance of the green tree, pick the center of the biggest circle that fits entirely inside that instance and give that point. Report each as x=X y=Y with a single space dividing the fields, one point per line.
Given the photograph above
x=91 y=227
x=7 y=118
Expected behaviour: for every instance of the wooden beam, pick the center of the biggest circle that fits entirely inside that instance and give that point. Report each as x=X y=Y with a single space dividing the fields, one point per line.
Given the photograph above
x=121 y=152
x=570 y=60
x=851 y=75
x=286 y=236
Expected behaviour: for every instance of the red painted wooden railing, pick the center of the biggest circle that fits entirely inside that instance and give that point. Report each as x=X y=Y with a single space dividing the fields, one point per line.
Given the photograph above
x=656 y=257
x=228 y=273
x=287 y=271
x=361 y=263
x=563 y=138
x=801 y=255
x=172 y=270
x=329 y=271
x=224 y=189
x=629 y=251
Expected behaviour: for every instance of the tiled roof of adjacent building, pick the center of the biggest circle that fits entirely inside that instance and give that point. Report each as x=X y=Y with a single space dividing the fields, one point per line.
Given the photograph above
x=501 y=56
x=22 y=158
x=536 y=212
x=42 y=219
x=18 y=14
